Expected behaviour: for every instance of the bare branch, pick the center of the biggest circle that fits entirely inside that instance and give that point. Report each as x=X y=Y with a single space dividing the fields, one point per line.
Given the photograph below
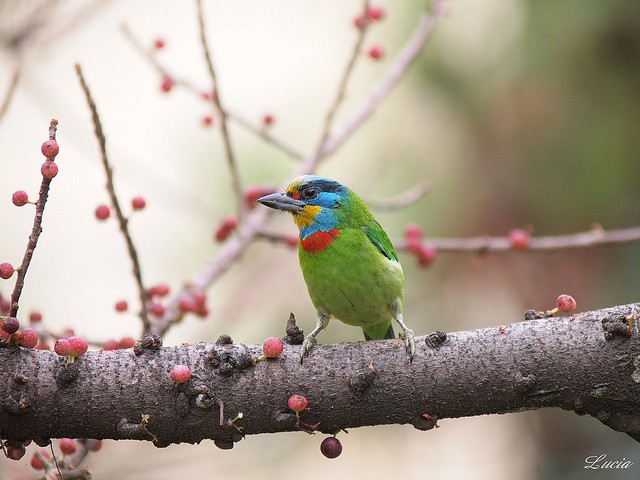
x=409 y=197
x=217 y=101
x=123 y=222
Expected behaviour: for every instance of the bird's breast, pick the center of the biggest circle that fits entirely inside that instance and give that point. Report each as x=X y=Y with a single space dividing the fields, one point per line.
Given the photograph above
x=319 y=240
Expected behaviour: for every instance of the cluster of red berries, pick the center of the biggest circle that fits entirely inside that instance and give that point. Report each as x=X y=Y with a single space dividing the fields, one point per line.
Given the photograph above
x=71 y=347
x=68 y=446
x=374 y=13
x=49 y=168
x=330 y=446
x=425 y=252
x=10 y=333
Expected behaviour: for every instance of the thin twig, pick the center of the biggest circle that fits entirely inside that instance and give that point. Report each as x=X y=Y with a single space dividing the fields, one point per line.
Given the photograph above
x=487 y=244
x=122 y=220
x=194 y=89
x=35 y=231
x=395 y=71
x=216 y=99
x=11 y=88
x=344 y=81
x=409 y=197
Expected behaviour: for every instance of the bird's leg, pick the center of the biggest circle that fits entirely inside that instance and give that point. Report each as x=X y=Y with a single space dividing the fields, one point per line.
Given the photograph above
x=406 y=333
x=310 y=340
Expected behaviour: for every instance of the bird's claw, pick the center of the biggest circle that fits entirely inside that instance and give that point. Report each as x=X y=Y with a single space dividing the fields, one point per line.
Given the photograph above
x=409 y=342
x=308 y=343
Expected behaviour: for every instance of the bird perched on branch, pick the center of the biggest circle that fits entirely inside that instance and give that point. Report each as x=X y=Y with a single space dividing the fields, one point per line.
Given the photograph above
x=350 y=267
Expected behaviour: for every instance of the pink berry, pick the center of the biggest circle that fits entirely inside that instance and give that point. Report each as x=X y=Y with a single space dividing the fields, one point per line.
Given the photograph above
x=158 y=43
x=272 y=347
x=375 y=12
x=138 y=203
x=166 y=84
x=297 y=403
x=126 y=342
x=10 y=325
x=159 y=290
x=199 y=296
x=28 y=338
x=181 y=373
x=77 y=346
x=49 y=169
x=67 y=445
x=359 y=21
x=62 y=347
x=210 y=95
x=207 y=120
x=103 y=212
x=20 y=198
x=519 y=239
x=413 y=230
x=268 y=119
x=331 y=447
x=110 y=345
x=376 y=52
x=35 y=316
x=36 y=464
x=227 y=226
x=186 y=304
x=566 y=303
x=426 y=254
x=121 y=306
x=291 y=241
x=156 y=308
x=6 y=270
x=50 y=148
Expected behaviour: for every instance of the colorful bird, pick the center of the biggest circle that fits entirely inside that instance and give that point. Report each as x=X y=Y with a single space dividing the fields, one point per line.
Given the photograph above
x=350 y=267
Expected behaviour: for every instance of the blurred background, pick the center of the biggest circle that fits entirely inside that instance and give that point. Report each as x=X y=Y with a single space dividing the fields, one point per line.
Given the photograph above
x=521 y=113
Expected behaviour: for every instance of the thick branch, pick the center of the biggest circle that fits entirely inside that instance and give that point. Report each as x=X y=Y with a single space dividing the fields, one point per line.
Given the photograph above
x=588 y=363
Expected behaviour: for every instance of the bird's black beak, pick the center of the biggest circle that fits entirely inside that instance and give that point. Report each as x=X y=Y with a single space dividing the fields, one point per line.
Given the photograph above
x=281 y=201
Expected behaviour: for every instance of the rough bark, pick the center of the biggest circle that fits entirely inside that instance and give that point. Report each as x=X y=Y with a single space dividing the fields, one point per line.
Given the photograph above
x=588 y=363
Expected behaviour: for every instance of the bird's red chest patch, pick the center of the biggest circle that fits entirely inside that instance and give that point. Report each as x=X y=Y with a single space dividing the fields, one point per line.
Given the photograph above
x=319 y=240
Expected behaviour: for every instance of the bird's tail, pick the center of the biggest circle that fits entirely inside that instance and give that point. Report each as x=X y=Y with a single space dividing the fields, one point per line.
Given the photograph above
x=388 y=335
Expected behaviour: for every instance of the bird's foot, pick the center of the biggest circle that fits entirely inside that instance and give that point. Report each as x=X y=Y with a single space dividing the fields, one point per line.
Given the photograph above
x=409 y=341
x=308 y=343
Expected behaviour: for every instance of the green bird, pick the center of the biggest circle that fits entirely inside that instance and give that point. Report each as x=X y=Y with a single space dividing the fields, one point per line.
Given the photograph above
x=348 y=262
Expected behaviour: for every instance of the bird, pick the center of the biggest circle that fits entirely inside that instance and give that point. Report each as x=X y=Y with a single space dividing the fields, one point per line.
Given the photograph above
x=349 y=265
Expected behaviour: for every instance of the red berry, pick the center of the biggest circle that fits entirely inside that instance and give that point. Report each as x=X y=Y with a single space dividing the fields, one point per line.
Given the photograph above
x=28 y=338
x=297 y=403
x=49 y=169
x=10 y=325
x=199 y=296
x=6 y=270
x=375 y=12
x=566 y=303
x=77 y=346
x=202 y=311
x=413 y=231
x=414 y=245
x=331 y=447
x=16 y=453
x=138 y=203
x=186 y=304
x=227 y=226
x=426 y=254
x=35 y=316
x=166 y=84
x=121 y=306
x=272 y=347
x=158 y=43
x=20 y=198
x=67 y=445
x=110 y=345
x=159 y=290
x=36 y=464
x=291 y=241
x=207 y=120
x=181 y=374
x=62 y=347
x=268 y=119
x=208 y=95
x=376 y=52
x=126 y=342
x=102 y=212
x=50 y=148
x=156 y=309
x=359 y=21
x=95 y=445
x=519 y=239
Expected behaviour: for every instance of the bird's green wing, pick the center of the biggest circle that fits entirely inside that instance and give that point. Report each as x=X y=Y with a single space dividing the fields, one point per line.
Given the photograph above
x=380 y=239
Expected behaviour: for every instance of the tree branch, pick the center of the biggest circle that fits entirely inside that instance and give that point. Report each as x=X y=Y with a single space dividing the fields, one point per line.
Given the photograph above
x=587 y=363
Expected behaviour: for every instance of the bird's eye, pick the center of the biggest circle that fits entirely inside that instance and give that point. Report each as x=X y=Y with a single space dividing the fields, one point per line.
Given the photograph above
x=309 y=193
